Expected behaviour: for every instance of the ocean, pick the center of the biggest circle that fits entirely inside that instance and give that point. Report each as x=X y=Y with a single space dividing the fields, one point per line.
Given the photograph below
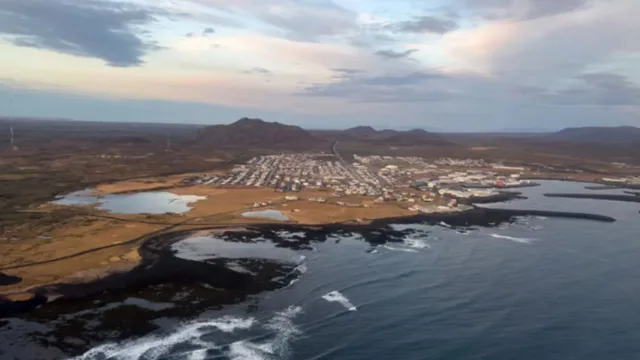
x=537 y=288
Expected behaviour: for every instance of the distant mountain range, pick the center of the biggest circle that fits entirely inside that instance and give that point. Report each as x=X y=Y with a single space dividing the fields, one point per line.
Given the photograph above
x=613 y=135
x=393 y=137
x=257 y=133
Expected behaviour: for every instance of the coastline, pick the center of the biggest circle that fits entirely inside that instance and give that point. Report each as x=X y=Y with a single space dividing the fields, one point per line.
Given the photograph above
x=133 y=293
x=158 y=263
x=612 y=197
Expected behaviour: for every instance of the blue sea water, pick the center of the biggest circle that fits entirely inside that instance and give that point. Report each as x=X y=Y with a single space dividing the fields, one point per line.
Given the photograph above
x=535 y=289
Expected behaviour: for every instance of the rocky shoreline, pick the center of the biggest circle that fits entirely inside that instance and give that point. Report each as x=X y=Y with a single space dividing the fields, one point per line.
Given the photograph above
x=164 y=286
x=160 y=265
x=612 y=197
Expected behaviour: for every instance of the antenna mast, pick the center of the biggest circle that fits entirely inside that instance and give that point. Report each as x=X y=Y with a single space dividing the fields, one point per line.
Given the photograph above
x=11 y=137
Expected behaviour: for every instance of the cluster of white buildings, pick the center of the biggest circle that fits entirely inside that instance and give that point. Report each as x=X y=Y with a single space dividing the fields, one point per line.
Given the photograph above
x=375 y=176
x=631 y=180
x=293 y=172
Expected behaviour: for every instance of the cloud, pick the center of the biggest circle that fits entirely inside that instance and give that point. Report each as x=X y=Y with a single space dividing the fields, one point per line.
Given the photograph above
x=546 y=50
x=524 y=9
x=347 y=71
x=390 y=54
x=300 y=20
x=208 y=31
x=307 y=59
x=425 y=24
x=98 y=29
x=593 y=89
x=396 y=88
x=259 y=71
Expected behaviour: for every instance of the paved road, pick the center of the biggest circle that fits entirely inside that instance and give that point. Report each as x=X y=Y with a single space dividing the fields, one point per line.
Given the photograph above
x=347 y=165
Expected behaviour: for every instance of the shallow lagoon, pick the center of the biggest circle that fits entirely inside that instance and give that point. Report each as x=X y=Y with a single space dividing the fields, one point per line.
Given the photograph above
x=138 y=203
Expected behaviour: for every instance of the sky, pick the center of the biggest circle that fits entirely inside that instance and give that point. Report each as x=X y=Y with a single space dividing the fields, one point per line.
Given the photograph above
x=454 y=65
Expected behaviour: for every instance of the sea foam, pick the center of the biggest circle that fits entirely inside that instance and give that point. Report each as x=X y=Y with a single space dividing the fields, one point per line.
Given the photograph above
x=416 y=243
x=399 y=249
x=336 y=296
x=277 y=348
x=516 y=239
x=157 y=347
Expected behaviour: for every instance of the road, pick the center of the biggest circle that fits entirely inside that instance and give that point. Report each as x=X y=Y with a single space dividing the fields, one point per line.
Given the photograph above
x=348 y=166
x=334 y=149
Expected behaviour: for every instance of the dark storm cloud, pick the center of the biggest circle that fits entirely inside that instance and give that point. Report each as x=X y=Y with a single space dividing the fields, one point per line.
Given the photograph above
x=390 y=54
x=425 y=24
x=99 y=29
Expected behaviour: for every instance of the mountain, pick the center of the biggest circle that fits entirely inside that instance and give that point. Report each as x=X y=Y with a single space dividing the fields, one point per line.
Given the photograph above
x=388 y=133
x=617 y=135
x=360 y=132
x=256 y=133
x=413 y=138
x=387 y=137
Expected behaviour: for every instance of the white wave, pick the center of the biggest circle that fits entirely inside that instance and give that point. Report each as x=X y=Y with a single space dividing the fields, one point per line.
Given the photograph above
x=336 y=296
x=290 y=236
x=275 y=349
x=200 y=354
x=445 y=224
x=230 y=324
x=155 y=347
x=516 y=239
x=416 y=243
x=301 y=269
x=541 y=218
x=398 y=249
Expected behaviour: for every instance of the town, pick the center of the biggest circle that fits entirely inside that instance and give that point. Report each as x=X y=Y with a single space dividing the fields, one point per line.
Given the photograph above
x=384 y=178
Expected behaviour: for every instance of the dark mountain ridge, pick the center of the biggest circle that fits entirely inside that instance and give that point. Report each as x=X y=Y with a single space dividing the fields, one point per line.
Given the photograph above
x=600 y=134
x=257 y=133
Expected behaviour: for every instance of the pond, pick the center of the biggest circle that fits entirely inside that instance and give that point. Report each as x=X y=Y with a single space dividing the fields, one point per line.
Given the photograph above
x=139 y=203
x=210 y=247
x=266 y=214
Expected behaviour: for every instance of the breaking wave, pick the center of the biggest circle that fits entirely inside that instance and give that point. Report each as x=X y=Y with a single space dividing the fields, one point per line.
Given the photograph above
x=336 y=296
x=444 y=224
x=398 y=249
x=277 y=348
x=516 y=239
x=416 y=243
x=155 y=347
x=280 y=327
